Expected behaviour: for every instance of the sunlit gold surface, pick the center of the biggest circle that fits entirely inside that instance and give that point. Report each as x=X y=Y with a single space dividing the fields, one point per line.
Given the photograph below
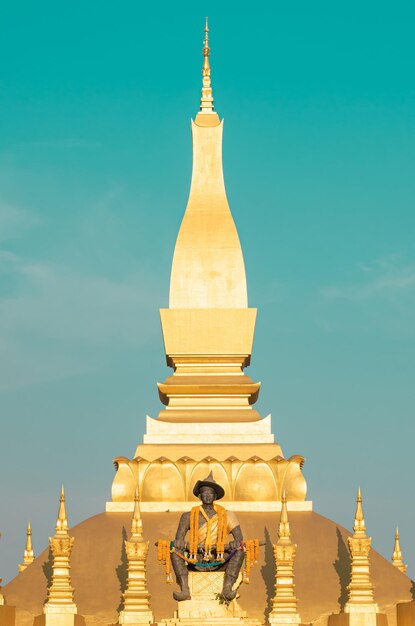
x=136 y=596
x=360 y=608
x=168 y=474
x=208 y=422
x=397 y=559
x=28 y=555
x=284 y=604
x=60 y=608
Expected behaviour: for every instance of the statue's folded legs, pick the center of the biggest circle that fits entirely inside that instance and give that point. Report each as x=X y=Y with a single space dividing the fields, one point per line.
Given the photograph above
x=231 y=569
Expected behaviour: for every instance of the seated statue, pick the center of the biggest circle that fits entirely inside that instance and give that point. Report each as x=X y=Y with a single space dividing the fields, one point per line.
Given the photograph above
x=209 y=525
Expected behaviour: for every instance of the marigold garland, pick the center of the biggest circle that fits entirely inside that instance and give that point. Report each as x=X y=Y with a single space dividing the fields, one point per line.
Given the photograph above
x=251 y=557
x=163 y=555
x=221 y=534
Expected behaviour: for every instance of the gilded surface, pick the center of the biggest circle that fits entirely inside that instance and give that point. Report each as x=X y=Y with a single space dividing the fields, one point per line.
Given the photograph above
x=284 y=603
x=360 y=588
x=209 y=422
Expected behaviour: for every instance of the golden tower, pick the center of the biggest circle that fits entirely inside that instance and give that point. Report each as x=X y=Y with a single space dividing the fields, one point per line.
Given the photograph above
x=60 y=608
x=209 y=422
x=397 y=560
x=28 y=555
x=361 y=605
x=136 y=596
x=284 y=603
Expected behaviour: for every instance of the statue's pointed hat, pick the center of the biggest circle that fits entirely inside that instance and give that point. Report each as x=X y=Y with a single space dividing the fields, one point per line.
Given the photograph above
x=209 y=481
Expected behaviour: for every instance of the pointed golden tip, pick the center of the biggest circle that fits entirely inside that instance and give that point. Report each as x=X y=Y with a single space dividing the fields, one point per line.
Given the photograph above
x=29 y=528
x=397 y=533
x=206 y=101
x=62 y=494
x=206 y=49
x=359 y=495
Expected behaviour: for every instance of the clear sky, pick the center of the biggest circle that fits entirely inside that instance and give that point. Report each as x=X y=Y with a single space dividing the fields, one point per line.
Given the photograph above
x=95 y=161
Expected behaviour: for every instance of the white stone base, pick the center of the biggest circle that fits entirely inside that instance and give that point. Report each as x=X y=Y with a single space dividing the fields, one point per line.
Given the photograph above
x=292 y=619
x=362 y=614
x=140 y=618
x=59 y=615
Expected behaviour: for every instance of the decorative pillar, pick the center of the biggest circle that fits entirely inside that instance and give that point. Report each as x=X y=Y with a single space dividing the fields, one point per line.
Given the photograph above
x=60 y=608
x=284 y=604
x=136 y=596
x=361 y=606
x=28 y=555
x=397 y=555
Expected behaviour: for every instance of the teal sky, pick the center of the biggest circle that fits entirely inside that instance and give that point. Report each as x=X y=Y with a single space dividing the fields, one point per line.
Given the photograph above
x=95 y=162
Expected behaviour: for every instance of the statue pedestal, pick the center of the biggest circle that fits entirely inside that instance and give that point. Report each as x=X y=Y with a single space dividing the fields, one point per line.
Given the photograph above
x=205 y=607
x=359 y=615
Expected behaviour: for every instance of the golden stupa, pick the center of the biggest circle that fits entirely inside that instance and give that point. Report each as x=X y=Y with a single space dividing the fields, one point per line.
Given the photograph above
x=108 y=574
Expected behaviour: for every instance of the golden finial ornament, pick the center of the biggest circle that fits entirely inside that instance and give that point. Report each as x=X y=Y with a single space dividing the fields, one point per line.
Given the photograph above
x=28 y=555
x=284 y=525
x=284 y=603
x=136 y=522
x=206 y=101
x=397 y=560
x=62 y=521
x=360 y=589
x=359 y=520
x=61 y=593
x=136 y=596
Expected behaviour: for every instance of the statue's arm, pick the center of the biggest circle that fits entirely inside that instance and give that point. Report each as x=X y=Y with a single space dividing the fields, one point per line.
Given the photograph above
x=237 y=538
x=183 y=527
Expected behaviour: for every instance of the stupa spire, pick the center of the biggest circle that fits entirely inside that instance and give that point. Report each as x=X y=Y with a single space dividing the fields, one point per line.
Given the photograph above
x=359 y=520
x=397 y=560
x=136 y=597
x=284 y=532
x=28 y=555
x=284 y=604
x=62 y=520
x=136 y=522
x=360 y=589
x=206 y=101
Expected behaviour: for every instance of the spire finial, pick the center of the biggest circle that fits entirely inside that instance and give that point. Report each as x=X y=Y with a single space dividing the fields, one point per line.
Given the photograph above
x=62 y=521
x=136 y=522
x=284 y=532
x=28 y=555
x=359 y=520
x=206 y=101
x=397 y=560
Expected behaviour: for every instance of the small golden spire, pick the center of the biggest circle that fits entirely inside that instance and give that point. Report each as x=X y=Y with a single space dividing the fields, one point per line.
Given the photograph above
x=60 y=592
x=28 y=555
x=359 y=520
x=136 y=522
x=62 y=521
x=206 y=101
x=397 y=554
x=284 y=532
